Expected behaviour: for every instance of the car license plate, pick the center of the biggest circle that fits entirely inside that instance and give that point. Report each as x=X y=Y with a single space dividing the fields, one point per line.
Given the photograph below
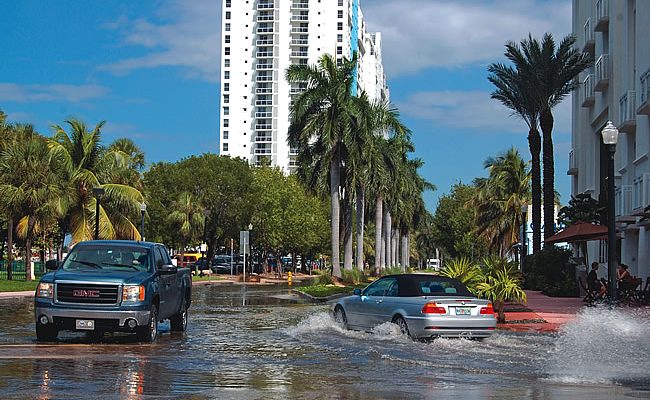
x=85 y=324
x=463 y=311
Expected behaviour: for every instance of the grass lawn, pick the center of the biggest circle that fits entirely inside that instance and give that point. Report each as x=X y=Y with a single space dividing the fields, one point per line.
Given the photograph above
x=17 y=286
x=328 y=290
x=196 y=278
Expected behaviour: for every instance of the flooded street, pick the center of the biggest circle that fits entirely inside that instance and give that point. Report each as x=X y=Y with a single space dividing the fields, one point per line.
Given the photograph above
x=262 y=343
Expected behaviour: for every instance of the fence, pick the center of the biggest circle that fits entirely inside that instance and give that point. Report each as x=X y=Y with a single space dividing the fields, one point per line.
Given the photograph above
x=18 y=269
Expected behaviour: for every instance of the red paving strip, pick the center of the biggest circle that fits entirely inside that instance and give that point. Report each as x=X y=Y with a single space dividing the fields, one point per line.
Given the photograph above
x=556 y=311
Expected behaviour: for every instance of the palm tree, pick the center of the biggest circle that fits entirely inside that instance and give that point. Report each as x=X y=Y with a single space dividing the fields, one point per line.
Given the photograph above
x=557 y=69
x=502 y=282
x=35 y=184
x=320 y=120
x=188 y=217
x=127 y=148
x=88 y=165
x=515 y=88
x=499 y=198
x=8 y=136
x=465 y=270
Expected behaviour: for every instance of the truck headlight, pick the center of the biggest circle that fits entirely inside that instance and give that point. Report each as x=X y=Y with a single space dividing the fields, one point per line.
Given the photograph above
x=133 y=293
x=45 y=290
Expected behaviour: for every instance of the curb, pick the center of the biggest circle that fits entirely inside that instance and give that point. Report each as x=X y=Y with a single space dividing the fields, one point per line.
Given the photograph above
x=12 y=295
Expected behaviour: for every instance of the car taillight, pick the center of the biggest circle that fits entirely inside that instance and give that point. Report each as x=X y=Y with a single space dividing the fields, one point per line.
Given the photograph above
x=432 y=308
x=487 y=310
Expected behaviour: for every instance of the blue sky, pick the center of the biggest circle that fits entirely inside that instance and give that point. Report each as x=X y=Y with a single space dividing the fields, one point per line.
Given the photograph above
x=151 y=70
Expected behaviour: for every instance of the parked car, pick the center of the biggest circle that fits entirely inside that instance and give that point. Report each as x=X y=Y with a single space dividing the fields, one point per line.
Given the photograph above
x=113 y=285
x=222 y=264
x=422 y=305
x=188 y=259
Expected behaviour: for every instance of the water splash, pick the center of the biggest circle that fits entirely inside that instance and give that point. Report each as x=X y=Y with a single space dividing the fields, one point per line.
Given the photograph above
x=603 y=346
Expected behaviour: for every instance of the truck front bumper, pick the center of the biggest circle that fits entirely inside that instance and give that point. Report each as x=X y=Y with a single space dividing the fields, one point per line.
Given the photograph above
x=58 y=315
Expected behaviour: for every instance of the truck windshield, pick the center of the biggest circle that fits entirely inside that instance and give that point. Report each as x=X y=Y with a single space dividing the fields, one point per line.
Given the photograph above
x=131 y=258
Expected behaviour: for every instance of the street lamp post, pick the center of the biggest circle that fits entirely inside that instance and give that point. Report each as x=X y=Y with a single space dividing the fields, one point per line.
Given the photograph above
x=98 y=192
x=143 y=209
x=610 y=137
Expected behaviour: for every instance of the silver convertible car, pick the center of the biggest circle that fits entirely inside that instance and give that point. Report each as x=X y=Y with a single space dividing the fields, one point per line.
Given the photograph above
x=422 y=305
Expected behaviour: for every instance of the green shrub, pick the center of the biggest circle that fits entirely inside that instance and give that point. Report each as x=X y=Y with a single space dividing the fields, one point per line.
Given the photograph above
x=392 y=271
x=463 y=269
x=324 y=278
x=354 y=276
x=551 y=272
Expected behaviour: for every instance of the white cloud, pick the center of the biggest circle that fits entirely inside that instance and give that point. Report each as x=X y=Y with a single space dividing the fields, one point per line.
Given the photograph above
x=56 y=92
x=474 y=110
x=421 y=34
x=186 y=34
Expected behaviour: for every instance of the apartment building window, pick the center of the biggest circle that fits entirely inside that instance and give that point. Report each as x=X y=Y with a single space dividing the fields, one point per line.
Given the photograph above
x=227 y=14
x=226 y=87
x=340 y=13
x=227 y=38
x=339 y=26
x=226 y=111
x=339 y=37
x=225 y=134
x=228 y=3
x=226 y=62
x=339 y=50
x=227 y=26
x=340 y=3
x=227 y=51
x=226 y=123
x=226 y=98
x=226 y=74
x=225 y=147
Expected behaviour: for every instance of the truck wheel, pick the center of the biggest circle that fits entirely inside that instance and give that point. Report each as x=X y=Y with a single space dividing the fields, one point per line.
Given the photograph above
x=178 y=321
x=149 y=333
x=46 y=333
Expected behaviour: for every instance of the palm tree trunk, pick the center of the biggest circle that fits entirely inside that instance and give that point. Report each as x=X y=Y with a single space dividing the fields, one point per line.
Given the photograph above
x=29 y=270
x=379 y=213
x=536 y=186
x=405 y=250
x=361 y=210
x=10 y=247
x=387 y=239
x=395 y=246
x=546 y=124
x=347 y=236
x=335 y=181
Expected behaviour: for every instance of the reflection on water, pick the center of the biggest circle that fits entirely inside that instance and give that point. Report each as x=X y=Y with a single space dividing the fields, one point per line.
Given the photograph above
x=259 y=342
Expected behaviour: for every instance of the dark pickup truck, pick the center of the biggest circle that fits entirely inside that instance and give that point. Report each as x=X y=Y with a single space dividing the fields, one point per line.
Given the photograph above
x=113 y=285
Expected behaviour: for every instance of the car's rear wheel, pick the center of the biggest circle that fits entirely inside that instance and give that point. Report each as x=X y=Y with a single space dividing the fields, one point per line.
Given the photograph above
x=46 y=333
x=178 y=321
x=401 y=323
x=340 y=317
x=149 y=333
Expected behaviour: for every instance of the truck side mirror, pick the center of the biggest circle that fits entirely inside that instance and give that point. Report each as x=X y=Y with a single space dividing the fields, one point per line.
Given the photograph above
x=52 y=265
x=167 y=269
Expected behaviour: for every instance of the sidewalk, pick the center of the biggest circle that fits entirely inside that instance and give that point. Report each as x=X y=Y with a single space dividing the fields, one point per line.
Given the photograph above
x=547 y=314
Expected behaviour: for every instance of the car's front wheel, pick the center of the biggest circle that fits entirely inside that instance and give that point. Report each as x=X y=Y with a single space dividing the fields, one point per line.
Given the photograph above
x=340 y=317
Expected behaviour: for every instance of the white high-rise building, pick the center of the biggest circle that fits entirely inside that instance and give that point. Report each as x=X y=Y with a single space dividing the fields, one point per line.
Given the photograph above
x=260 y=40
x=616 y=88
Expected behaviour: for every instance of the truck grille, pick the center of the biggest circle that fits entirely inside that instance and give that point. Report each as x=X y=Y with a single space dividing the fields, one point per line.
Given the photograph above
x=87 y=293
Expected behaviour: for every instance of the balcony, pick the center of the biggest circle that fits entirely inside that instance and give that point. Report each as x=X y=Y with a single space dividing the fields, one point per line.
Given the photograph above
x=300 y=5
x=264 y=42
x=627 y=112
x=263 y=78
x=264 y=114
x=264 y=90
x=602 y=73
x=265 y=5
x=265 y=29
x=265 y=18
x=644 y=104
x=623 y=196
x=262 y=151
x=299 y=54
x=264 y=139
x=641 y=198
x=264 y=102
x=602 y=16
x=590 y=39
x=299 y=18
x=263 y=127
x=264 y=54
x=573 y=163
x=299 y=42
x=588 y=98
x=301 y=29
x=263 y=67
x=294 y=90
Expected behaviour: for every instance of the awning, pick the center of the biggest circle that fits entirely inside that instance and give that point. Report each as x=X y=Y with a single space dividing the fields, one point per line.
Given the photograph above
x=579 y=232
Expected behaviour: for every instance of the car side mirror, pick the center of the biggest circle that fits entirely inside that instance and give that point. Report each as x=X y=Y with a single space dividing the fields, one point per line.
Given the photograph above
x=52 y=265
x=357 y=292
x=167 y=269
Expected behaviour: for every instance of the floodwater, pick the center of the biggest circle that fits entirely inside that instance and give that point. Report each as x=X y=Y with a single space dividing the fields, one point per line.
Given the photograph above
x=262 y=343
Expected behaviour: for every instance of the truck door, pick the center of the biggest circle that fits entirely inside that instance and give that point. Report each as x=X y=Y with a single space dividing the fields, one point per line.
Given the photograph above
x=168 y=284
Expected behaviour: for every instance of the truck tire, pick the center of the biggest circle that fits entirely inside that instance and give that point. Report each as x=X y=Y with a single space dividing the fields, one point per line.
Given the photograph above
x=45 y=333
x=178 y=321
x=149 y=334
